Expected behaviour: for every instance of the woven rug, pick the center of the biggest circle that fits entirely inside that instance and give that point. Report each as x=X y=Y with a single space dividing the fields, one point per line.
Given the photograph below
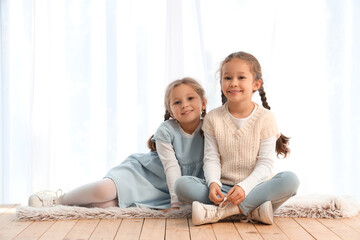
x=309 y=206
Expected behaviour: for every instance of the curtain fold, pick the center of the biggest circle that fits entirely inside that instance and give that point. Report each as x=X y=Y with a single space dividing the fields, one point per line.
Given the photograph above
x=82 y=82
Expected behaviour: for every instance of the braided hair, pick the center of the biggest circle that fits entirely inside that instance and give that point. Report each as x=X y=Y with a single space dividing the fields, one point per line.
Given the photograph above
x=283 y=141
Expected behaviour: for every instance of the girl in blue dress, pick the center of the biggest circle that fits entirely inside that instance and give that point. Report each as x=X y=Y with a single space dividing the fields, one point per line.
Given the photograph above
x=147 y=179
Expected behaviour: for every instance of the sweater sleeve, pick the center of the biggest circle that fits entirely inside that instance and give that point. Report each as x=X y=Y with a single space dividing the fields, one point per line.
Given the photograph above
x=263 y=167
x=212 y=166
x=171 y=167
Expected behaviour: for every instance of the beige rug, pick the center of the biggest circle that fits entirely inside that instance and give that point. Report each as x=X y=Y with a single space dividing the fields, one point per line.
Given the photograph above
x=310 y=206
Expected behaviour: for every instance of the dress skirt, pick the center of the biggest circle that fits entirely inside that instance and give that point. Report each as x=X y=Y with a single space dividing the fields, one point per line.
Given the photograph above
x=141 y=182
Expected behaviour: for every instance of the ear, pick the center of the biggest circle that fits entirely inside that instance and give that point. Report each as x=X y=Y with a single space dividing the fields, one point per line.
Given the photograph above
x=257 y=85
x=203 y=106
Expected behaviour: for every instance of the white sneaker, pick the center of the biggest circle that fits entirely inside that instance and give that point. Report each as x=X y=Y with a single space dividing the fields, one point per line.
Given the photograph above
x=207 y=213
x=264 y=213
x=45 y=198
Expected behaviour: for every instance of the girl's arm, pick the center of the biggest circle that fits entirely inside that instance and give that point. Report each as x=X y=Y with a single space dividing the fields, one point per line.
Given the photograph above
x=171 y=167
x=263 y=167
x=212 y=166
x=212 y=169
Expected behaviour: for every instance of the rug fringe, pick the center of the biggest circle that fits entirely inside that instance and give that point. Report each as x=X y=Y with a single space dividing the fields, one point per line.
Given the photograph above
x=308 y=206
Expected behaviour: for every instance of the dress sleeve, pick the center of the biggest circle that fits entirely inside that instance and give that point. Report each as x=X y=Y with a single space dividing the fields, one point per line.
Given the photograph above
x=163 y=133
x=263 y=167
x=171 y=167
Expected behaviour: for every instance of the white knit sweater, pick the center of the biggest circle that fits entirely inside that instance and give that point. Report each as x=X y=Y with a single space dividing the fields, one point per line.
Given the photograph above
x=239 y=148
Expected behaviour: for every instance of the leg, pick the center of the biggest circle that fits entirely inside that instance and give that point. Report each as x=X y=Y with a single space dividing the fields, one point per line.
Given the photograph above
x=277 y=190
x=189 y=189
x=111 y=203
x=103 y=191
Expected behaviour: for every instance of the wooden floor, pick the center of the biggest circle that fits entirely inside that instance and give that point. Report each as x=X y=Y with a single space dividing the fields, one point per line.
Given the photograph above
x=182 y=229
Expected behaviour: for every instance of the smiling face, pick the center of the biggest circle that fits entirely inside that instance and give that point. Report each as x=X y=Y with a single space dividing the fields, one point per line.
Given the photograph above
x=186 y=106
x=237 y=81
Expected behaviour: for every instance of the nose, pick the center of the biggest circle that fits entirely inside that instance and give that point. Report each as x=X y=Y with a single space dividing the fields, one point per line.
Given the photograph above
x=185 y=104
x=233 y=82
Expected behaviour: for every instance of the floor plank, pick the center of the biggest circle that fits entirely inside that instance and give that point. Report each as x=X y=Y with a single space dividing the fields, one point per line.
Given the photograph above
x=340 y=229
x=316 y=229
x=177 y=229
x=82 y=229
x=225 y=230
x=247 y=230
x=35 y=230
x=202 y=232
x=270 y=232
x=8 y=216
x=292 y=229
x=153 y=229
x=12 y=229
x=106 y=229
x=353 y=222
x=59 y=230
x=6 y=207
x=130 y=229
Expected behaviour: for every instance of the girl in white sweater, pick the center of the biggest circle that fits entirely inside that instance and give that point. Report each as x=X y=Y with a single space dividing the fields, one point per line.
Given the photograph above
x=240 y=142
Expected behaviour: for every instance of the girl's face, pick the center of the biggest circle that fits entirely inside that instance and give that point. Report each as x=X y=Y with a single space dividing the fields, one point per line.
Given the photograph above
x=237 y=81
x=186 y=105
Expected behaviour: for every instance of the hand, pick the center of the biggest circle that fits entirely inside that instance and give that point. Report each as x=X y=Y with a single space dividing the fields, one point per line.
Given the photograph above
x=236 y=195
x=215 y=194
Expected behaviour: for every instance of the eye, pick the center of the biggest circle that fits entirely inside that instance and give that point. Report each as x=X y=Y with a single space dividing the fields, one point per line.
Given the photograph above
x=190 y=98
x=227 y=78
x=242 y=77
x=176 y=102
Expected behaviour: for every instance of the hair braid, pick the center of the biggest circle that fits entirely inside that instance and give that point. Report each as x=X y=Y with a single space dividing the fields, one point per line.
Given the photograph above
x=282 y=142
x=167 y=115
x=263 y=97
x=282 y=146
x=223 y=98
x=203 y=113
x=150 y=144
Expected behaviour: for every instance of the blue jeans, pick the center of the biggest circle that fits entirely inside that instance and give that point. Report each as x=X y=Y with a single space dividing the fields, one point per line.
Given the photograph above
x=278 y=189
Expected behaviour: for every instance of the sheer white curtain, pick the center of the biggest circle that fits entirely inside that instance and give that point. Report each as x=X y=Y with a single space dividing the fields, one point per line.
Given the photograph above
x=82 y=82
x=310 y=52
x=82 y=85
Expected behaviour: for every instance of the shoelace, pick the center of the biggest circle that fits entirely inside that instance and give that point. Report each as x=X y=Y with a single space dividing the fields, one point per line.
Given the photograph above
x=220 y=207
x=49 y=198
x=212 y=211
x=216 y=212
x=248 y=218
x=243 y=218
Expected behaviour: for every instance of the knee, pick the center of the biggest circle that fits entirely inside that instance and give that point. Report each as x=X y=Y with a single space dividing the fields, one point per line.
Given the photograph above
x=181 y=184
x=105 y=191
x=291 y=181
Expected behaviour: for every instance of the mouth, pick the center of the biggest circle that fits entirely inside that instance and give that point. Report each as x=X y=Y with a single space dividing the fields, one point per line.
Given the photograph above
x=187 y=112
x=234 y=91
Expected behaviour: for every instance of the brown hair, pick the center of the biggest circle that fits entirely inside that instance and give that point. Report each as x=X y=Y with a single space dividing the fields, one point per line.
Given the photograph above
x=283 y=141
x=188 y=81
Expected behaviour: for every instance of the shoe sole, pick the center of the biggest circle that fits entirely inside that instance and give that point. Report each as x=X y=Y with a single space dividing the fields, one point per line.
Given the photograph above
x=269 y=215
x=196 y=207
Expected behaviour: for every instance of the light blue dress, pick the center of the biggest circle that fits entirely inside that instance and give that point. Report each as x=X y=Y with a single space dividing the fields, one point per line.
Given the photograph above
x=140 y=179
